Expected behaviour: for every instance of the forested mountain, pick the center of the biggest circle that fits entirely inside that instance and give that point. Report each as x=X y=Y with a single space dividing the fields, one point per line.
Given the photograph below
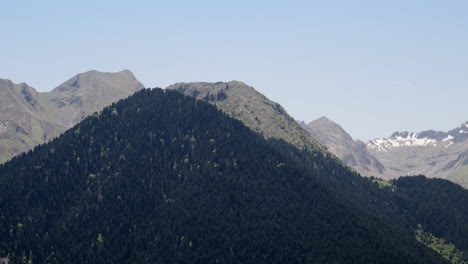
x=163 y=178
x=436 y=206
x=28 y=118
x=372 y=196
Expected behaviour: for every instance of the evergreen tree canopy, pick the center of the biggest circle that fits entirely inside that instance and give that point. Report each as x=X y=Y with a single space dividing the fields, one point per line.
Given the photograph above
x=163 y=178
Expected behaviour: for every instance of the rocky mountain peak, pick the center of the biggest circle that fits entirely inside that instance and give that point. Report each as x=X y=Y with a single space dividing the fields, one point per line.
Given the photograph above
x=322 y=119
x=28 y=118
x=353 y=152
x=88 y=92
x=113 y=81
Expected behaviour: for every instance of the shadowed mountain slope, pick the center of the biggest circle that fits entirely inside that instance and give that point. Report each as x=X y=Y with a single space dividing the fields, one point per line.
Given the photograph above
x=163 y=178
x=372 y=196
x=244 y=103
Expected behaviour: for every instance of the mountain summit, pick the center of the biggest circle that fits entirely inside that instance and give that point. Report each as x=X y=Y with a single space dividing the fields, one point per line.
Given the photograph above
x=352 y=152
x=29 y=118
x=89 y=92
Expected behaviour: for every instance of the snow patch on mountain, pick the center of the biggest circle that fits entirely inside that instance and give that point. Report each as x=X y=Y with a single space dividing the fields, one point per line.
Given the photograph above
x=426 y=138
x=400 y=140
x=449 y=137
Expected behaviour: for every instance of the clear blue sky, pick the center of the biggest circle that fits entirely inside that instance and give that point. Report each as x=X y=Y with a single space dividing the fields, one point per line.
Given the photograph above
x=372 y=66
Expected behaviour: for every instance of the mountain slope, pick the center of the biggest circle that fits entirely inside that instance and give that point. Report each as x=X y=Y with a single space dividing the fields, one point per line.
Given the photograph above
x=389 y=205
x=244 y=103
x=24 y=121
x=352 y=152
x=89 y=92
x=163 y=178
x=447 y=207
x=432 y=153
x=29 y=118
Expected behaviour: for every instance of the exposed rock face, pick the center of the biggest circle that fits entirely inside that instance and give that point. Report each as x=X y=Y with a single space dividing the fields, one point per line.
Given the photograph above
x=29 y=118
x=24 y=119
x=352 y=152
x=244 y=103
x=432 y=153
x=89 y=92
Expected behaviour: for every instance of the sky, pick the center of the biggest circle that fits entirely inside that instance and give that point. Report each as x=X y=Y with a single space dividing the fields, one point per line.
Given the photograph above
x=374 y=67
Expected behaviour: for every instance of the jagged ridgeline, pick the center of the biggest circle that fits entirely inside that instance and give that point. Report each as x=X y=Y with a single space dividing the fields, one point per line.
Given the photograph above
x=163 y=178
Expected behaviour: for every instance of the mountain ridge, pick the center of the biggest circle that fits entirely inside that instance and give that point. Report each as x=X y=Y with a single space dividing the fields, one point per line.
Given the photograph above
x=432 y=153
x=423 y=138
x=89 y=92
x=183 y=183
x=377 y=197
x=254 y=109
x=29 y=118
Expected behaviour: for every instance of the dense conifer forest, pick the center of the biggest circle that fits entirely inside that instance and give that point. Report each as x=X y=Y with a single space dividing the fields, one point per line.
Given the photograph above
x=163 y=178
x=439 y=206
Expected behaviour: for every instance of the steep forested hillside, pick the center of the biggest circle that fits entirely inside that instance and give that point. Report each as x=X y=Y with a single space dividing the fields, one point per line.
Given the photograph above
x=439 y=206
x=389 y=204
x=445 y=212
x=163 y=178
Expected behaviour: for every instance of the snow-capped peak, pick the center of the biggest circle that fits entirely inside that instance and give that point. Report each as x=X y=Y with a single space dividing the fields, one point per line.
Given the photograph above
x=425 y=138
x=401 y=139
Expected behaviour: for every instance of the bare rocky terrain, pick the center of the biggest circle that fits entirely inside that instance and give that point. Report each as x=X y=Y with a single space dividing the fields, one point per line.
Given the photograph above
x=435 y=154
x=352 y=152
x=432 y=153
x=29 y=118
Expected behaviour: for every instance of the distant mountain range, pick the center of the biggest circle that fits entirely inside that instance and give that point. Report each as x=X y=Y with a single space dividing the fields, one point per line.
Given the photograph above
x=163 y=178
x=431 y=153
x=159 y=161
x=29 y=118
